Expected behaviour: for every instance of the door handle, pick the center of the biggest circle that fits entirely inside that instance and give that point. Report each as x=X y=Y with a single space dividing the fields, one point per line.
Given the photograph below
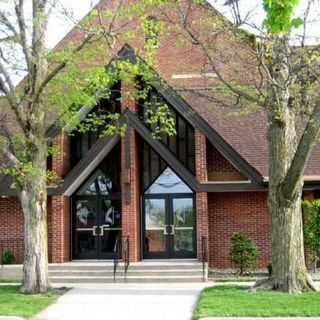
x=94 y=231
x=172 y=230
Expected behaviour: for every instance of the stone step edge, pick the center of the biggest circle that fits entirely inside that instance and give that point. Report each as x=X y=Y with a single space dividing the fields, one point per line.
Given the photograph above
x=128 y=277
x=130 y=270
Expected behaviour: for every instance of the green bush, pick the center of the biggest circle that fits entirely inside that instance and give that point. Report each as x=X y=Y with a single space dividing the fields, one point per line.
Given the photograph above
x=311 y=229
x=8 y=257
x=244 y=252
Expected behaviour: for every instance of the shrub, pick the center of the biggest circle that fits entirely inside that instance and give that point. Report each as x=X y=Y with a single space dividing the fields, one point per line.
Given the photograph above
x=243 y=252
x=311 y=228
x=8 y=257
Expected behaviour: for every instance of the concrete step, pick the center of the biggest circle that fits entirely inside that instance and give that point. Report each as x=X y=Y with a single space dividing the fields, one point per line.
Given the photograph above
x=158 y=273
x=153 y=271
x=182 y=268
x=128 y=279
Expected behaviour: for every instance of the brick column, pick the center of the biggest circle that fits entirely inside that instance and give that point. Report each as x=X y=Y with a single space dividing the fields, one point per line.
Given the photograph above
x=130 y=193
x=201 y=197
x=59 y=206
x=59 y=229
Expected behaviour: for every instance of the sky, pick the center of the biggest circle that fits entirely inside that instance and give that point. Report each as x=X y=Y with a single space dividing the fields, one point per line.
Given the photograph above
x=59 y=26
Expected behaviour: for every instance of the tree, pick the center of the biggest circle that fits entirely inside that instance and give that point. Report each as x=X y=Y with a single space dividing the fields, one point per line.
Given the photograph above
x=282 y=78
x=55 y=81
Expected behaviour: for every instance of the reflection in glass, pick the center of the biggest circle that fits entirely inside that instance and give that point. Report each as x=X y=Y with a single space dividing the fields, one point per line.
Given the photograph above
x=183 y=212
x=86 y=214
x=99 y=183
x=155 y=241
x=86 y=242
x=168 y=182
x=183 y=240
x=155 y=215
x=183 y=221
x=108 y=240
x=111 y=216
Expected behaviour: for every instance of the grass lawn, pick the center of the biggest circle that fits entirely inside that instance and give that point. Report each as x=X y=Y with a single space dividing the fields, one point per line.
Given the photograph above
x=237 y=301
x=13 y=303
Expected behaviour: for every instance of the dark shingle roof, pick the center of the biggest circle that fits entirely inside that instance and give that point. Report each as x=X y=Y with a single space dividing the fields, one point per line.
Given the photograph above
x=246 y=133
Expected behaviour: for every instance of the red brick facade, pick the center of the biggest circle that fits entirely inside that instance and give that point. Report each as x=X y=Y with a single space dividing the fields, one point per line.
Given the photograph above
x=234 y=212
x=59 y=222
x=218 y=215
x=11 y=226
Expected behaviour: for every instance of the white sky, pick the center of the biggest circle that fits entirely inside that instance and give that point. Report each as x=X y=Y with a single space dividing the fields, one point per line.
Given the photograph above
x=58 y=26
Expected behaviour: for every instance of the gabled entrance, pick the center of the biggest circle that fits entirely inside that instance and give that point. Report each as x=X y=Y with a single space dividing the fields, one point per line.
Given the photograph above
x=169 y=218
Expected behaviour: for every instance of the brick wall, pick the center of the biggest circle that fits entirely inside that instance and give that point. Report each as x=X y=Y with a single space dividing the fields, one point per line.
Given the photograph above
x=11 y=227
x=219 y=168
x=59 y=237
x=61 y=162
x=234 y=212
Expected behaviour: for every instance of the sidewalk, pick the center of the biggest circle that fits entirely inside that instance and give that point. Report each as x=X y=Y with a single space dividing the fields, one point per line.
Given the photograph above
x=126 y=302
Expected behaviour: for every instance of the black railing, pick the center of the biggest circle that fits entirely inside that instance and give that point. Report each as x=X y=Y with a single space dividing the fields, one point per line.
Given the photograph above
x=121 y=251
x=117 y=256
x=204 y=258
x=126 y=256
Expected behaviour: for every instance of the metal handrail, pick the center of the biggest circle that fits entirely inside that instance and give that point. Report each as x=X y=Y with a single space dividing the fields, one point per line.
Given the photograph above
x=204 y=258
x=117 y=253
x=126 y=256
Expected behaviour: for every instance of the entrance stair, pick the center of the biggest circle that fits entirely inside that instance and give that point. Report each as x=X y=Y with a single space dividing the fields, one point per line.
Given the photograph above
x=164 y=271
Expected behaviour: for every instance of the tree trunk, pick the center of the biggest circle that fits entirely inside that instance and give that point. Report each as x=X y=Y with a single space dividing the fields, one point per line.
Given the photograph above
x=35 y=268
x=289 y=273
x=33 y=199
x=288 y=260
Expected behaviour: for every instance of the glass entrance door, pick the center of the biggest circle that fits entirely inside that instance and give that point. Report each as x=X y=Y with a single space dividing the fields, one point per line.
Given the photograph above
x=169 y=226
x=169 y=218
x=85 y=229
x=183 y=222
x=97 y=227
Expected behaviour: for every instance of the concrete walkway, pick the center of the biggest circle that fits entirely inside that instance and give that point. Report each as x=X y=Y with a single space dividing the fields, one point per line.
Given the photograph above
x=126 y=302
x=261 y=318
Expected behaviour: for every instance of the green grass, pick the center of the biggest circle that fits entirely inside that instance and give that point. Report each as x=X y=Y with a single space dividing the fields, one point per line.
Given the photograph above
x=238 y=301
x=14 y=303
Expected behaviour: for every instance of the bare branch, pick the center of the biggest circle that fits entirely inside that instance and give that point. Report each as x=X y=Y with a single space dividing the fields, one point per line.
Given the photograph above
x=7 y=83
x=23 y=31
x=5 y=21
